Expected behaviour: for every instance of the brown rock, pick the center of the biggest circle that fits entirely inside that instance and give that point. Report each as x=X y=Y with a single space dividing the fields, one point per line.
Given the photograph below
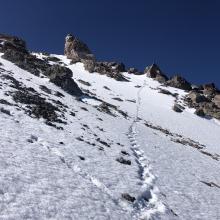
x=154 y=72
x=216 y=100
x=76 y=50
x=196 y=97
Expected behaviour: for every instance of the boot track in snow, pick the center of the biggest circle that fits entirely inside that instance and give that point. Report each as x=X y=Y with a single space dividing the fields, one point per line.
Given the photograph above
x=147 y=204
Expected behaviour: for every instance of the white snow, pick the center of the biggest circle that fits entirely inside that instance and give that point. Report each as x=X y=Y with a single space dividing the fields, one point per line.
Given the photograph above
x=42 y=178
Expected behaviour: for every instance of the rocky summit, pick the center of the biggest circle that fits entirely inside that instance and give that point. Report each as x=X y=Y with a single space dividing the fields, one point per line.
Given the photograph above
x=76 y=50
x=83 y=138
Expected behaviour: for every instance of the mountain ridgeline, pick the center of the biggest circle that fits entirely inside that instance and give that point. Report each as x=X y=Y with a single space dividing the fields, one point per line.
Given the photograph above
x=204 y=98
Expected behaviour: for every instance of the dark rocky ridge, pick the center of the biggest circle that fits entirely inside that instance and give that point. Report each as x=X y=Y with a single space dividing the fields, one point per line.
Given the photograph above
x=205 y=98
x=78 y=51
x=154 y=72
x=15 y=50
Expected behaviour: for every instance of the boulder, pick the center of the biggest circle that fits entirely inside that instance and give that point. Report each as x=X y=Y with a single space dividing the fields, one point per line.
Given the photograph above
x=154 y=72
x=62 y=77
x=179 y=82
x=119 y=67
x=127 y=197
x=200 y=112
x=210 y=109
x=177 y=108
x=216 y=100
x=111 y=69
x=209 y=90
x=132 y=70
x=195 y=97
x=161 y=78
x=76 y=50
x=89 y=65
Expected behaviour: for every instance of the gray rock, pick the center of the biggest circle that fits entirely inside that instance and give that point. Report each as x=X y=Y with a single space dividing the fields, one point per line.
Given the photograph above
x=178 y=108
x=154 y=72
x=76 y=50
x=132 y=70
x=89 y=65
x=196 y=97
x=179 y=82
x=200 y=112
x=161 y=78
x=127 y=197
x=209 y=90
x=111 y=69
x=216 y=100
x=123 y=161
x=12 y=42
x=62 y=77
x=210 y=109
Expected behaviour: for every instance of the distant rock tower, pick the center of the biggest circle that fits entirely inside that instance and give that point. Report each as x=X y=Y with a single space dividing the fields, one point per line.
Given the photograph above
x=76 y=50
x=154 y=72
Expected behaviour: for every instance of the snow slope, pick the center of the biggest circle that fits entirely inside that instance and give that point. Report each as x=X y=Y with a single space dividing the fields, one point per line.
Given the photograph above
x=172 y=158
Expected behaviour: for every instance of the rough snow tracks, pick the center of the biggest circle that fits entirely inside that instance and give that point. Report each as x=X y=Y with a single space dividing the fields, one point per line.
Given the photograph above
x=147 y=203
x=91 y=179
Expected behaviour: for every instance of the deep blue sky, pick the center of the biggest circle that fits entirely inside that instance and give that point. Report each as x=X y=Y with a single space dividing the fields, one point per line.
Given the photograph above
x=183 y=36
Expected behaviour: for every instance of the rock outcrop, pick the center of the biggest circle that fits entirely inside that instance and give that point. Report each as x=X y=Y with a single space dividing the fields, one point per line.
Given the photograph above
x=12 y=42
x=216 y=100
x=15 y=50
x=76 y=50
x=154 y=72
x=62 y=77
x=197 y=97
x=179 y=82
x=134 y=71
x=202 y=100
x=210 y=90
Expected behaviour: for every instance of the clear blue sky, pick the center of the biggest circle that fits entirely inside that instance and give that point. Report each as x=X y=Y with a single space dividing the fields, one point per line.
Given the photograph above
x=183 y=36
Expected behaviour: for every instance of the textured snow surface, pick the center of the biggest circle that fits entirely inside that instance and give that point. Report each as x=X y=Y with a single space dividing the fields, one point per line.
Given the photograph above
x=46 y=173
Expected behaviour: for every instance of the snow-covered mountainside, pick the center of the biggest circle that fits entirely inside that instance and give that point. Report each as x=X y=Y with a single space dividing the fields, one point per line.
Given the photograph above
x=105 y=149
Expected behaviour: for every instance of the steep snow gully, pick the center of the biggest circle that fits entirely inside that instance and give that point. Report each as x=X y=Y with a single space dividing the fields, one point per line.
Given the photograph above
x=147 y=204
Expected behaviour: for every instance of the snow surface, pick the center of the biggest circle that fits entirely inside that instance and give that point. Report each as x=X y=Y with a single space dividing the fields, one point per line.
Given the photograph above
x=43 y=175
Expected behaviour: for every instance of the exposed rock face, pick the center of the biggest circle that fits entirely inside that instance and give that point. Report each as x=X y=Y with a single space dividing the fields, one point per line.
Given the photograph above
x=62 y=77
x=210 y=90
x=111 y=69
x=179 y=82
x=210 y=109
x=76 y=50
x=178 y=108
x=161 y=78
x=134 y=71
x=154 y=72
x=196 y=97
x=200 y=112
x=15 y=50
x=11 y=42
x=216 y=100
x=204 y=104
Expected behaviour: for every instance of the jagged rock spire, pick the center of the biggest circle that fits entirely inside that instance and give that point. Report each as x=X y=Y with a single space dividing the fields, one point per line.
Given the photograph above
x=155 y=72
x=76 y=50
